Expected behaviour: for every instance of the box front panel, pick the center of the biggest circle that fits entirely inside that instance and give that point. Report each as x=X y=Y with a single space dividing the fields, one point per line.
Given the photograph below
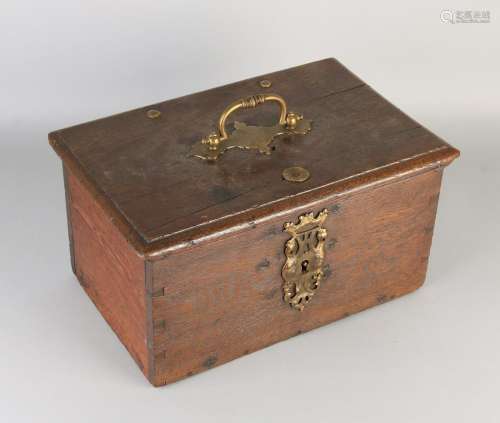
x=223 y=298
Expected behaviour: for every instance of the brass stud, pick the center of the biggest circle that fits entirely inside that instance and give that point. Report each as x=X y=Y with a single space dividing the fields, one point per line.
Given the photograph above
x=292 y=119
x=213 y=141
x=296 y=174
x=153 y=114
x=265 y=83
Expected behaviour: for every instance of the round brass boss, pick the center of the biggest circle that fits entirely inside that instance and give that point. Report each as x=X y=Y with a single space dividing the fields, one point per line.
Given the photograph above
x=265 y=83
x=153 y=114
x=296 y=174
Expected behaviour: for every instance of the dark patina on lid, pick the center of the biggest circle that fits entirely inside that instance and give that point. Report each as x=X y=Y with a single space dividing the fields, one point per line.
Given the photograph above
x=143 y=168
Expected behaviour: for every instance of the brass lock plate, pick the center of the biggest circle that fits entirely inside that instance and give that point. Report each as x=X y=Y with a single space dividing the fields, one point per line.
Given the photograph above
x=305 y=253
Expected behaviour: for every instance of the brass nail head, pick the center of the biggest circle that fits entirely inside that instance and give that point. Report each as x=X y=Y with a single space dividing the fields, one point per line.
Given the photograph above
x=265 y=83
x=296 y=174
x=153 y=114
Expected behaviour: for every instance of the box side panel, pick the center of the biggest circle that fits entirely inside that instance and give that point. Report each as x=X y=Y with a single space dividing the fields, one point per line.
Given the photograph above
x=222 y=299
x=109 y=270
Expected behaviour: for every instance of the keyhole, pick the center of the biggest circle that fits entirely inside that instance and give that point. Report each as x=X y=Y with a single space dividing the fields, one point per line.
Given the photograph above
x=305 y=264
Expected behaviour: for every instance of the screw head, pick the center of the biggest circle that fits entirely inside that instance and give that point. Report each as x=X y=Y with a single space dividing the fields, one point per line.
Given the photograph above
x=296 y=174
x=153 y=114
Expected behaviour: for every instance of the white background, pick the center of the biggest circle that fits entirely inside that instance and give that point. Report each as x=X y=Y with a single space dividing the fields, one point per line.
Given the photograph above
x=432 y=356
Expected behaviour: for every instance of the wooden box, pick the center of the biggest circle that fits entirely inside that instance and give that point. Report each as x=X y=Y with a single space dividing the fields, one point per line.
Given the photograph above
x=195 y=257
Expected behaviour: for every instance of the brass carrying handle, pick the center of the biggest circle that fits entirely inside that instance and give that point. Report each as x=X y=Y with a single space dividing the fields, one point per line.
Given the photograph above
x=250 y=103
x=249 y=137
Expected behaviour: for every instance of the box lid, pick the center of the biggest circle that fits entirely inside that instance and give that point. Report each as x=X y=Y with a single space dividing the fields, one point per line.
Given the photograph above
x=139 y=163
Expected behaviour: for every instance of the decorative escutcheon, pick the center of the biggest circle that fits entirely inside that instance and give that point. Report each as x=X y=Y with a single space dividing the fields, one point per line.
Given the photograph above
x=305 y=253
x=250 y=137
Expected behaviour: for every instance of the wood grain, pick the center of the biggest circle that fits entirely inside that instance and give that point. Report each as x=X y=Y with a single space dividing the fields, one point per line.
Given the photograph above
x=142 y=167
x=183 y=258
x=109 y=270
x=223 y=299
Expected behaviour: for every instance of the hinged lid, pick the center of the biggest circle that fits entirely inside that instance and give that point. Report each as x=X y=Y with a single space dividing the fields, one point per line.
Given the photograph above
x=140 y=164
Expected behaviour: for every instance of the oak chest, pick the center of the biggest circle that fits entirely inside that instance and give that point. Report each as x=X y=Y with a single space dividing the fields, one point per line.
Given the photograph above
x=210 y=226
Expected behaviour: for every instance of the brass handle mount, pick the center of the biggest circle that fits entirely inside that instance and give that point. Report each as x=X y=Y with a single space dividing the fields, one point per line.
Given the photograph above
x=250 y=137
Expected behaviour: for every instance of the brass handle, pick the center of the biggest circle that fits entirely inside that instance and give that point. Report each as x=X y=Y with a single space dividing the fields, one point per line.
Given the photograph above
x=250 y=103
x=250 y=137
